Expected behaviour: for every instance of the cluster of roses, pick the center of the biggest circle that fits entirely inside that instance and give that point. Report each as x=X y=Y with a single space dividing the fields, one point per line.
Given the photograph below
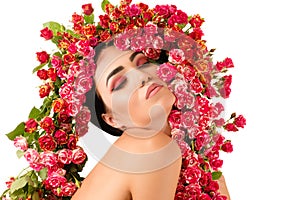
x=48 y=140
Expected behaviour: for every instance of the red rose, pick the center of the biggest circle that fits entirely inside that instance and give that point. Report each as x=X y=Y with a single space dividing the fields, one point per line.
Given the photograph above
x=104 y=21
x=72 y=143
x=77 y=19
x=87 y=9
x=213 y=186
x=30 y=126
x=47 y=124
x=78 y=156
x=44 y=90
x=174 y=119
x=216 y=164
x=89 y=30
x=42 y=74
x=196 y=34
x=42 y=56
x=69 y=58
x=47 y=143
x=162 y=10
x=196 y=21
x=58 y=105
x=182 y=17
x=52 y=74
x=240 y=121
x=231 y=127
x=196 y=85
x=105 y=35
x=61 y=137
x=227 y=147
x=47 y=33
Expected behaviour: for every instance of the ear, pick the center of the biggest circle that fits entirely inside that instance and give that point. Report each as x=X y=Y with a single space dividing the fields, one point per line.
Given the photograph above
x=108 y=118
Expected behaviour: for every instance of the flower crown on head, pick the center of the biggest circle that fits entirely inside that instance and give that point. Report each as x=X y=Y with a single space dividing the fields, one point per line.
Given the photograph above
x=48 y=139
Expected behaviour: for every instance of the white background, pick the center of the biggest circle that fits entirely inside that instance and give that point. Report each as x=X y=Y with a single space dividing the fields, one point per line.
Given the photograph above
x=262 y=38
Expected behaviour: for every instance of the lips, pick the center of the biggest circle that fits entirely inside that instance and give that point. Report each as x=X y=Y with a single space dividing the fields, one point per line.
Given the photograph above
x=152 y=90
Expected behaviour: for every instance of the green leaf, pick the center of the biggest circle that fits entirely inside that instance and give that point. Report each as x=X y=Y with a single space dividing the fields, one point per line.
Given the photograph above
x=34 y=113
x=104 y=3
x=20 y=153
x=19 y=130
x=38 y=67
x=18 y=184
x=54 y=26
x=89 y=19
x=216 y=175
x=73 y=34
x=43 y=173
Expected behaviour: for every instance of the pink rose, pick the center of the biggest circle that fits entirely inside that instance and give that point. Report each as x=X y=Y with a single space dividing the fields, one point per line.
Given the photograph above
x=122 y=42
x=81 y=129
x=188 y=119
x=133 y=10
x=68 y=188
x=192 y=174
x=152 y=53
x=219 y=122
x=20 y=143
x=49 y=159
x=157 y=42
x=176 y=56
x=177 y=134
x=56 y=62
x=166 y=72
x=64 y=156
x=84 y=116
x=31 y=155
x=83 y=83
x=150 y=28
x=37 y=166
x=66 y=91
x=78 y=156
x=55 y=180
x=162 y=10
x=138 y=43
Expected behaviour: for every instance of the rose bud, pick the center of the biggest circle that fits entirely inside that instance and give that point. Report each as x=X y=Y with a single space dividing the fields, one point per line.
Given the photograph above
x=44 y=90
x=240 y=121
x=42 y=74
x=30 y=126
x=21 y=143
x=87 y=9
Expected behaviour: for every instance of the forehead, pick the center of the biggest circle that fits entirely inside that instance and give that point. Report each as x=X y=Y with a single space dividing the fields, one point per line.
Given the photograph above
x=106 y=59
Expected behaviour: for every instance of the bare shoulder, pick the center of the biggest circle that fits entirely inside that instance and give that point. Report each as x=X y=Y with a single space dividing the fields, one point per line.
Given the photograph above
x=102 y=183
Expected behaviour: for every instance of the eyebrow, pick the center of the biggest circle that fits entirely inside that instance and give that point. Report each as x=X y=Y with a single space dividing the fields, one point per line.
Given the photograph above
x=113 y=72
x=120 y=68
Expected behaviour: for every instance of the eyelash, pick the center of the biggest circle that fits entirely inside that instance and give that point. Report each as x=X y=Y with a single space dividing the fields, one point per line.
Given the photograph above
x=119 y=86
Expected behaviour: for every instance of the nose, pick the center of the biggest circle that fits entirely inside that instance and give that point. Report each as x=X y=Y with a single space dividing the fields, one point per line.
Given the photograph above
x=145 y=80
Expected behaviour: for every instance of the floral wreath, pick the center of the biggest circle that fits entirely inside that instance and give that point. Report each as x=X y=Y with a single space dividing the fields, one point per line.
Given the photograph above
x=48 y=139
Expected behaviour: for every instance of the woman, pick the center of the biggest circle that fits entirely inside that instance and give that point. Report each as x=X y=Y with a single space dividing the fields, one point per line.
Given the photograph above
x=144 y=163
x=133 y=103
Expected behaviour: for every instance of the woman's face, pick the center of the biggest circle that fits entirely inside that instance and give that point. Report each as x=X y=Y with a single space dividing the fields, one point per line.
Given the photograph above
x=133 y=94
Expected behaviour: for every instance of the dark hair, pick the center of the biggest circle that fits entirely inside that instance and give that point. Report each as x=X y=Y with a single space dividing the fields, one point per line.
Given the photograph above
x=95 y=103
